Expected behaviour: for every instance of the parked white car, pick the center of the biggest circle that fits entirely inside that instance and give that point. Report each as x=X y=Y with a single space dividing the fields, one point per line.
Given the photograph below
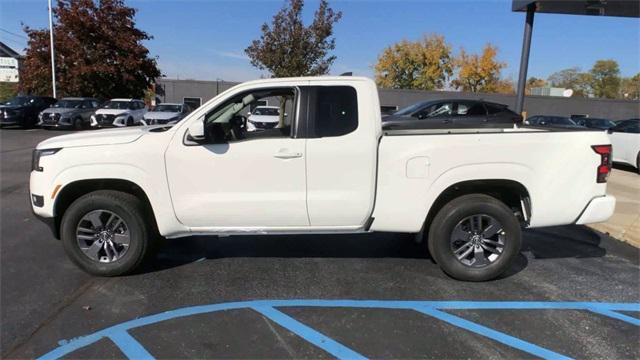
x=263 y=117
x=166 y=113
x=329 y=169
x=119 y=113
x=625 y=138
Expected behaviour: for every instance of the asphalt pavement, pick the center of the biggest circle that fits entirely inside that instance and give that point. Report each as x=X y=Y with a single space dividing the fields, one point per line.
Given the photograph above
x=573 y=292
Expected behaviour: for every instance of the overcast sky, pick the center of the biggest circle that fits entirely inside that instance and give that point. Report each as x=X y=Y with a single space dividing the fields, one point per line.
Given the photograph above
x=205 y=39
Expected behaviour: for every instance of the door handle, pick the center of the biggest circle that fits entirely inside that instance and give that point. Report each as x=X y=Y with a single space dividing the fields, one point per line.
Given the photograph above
x=287 y=155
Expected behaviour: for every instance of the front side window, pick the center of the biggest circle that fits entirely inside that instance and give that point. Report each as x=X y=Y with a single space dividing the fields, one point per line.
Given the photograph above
x=470 y=109
x=233 y=120
x=436 y=110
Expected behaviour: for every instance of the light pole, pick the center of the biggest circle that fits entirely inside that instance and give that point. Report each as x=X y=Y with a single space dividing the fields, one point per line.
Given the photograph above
x=53 y=60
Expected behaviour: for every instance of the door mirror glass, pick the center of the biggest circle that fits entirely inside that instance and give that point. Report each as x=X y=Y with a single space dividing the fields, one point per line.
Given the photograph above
x=196 y=131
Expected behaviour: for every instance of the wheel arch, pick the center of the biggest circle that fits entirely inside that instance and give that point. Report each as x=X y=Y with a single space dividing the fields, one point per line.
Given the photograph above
x=512 y=193
x=72 y=191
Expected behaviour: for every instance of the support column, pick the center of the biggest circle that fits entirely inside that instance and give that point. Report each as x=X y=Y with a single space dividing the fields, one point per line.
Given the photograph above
x=524 y=58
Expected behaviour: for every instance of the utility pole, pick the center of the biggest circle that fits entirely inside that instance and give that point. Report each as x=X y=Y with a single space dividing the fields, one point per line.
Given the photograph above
x=53 y=60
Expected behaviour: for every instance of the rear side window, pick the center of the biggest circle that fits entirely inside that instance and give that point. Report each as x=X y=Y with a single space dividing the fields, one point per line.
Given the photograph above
x=333 y=111
x=470 y=109
x=494 y=109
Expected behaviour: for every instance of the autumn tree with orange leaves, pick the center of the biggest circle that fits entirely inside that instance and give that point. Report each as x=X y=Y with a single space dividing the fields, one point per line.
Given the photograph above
x=481 y=72
x=99 y=52
x=425 y=64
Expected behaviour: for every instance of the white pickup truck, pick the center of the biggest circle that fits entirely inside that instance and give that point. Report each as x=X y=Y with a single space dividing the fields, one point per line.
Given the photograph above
x=329 y=167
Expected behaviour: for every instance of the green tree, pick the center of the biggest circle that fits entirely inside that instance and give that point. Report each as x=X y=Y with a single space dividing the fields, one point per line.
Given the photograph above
x=534 y=82
x=481 y=72
x=289 y=48
x=574 y=79
x=630 y=88
x=8 y=90
x=605 y=79
x=99 y=52
x=425 y=64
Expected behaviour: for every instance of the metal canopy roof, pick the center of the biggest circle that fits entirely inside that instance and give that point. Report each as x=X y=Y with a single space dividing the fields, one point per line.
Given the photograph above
x=625 y=8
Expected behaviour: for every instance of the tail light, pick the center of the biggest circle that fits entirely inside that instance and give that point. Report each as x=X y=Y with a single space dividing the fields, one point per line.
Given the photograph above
x=604 y=169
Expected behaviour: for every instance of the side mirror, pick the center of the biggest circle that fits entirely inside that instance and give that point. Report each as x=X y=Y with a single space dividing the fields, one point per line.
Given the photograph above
x=285 y=114
x=196 y=131
x=249 y=113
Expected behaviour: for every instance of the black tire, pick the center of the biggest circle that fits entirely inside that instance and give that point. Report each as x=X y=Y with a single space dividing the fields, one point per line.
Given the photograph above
x=131 y=210
x=78 y=123
x=444 y=223
x=129 y=121
x=638 y=163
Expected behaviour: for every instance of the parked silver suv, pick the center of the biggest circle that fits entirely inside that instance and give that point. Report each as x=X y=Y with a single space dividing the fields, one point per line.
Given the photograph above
x=72 y=112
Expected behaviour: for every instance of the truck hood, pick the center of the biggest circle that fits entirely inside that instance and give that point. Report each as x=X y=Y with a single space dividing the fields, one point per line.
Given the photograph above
x=95 y=137
x=161 y=115
x=264 y=118
x=111 y=111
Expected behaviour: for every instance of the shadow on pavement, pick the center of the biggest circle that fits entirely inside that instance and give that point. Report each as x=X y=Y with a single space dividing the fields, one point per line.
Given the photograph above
x=546 y=243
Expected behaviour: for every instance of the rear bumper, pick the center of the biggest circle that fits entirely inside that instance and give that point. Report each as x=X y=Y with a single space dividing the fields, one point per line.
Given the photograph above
x=599 y=209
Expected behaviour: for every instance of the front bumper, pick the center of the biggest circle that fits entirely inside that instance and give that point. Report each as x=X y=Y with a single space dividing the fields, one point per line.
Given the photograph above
x=58 y=125
x=599 y=209
x=49 y=221
x=12 y=120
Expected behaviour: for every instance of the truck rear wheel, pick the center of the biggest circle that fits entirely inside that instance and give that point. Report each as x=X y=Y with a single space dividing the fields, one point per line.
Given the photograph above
x=475 y=238
x=106 y=233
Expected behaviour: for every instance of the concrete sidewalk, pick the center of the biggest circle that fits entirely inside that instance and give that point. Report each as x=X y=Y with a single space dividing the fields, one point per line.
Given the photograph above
x=624 y=225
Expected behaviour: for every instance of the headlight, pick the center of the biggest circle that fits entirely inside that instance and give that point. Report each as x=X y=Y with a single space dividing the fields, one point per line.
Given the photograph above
x=37 y=154
x=93 y=120
x=40 y=116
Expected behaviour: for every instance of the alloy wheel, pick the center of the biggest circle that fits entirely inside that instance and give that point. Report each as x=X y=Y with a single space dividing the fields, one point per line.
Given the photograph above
x=103 y=236
x=478 y=240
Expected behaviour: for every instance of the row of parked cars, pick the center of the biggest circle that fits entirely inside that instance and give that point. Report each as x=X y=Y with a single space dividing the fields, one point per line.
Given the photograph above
x=83 y=113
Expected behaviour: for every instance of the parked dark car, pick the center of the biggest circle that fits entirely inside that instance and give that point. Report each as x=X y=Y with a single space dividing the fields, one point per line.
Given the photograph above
x=595 y=123
x=69 y=113
x=24 y=110
x=455 y=113
x=553 y=121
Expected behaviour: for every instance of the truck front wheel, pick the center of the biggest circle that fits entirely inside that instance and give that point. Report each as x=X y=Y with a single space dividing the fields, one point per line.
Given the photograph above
x=475 y=237
x=106 y=233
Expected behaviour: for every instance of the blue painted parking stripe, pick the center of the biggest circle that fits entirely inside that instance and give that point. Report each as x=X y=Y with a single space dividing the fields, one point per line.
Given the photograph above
x=316 y=338
x=607 y=309
x=492 y=334
x=129 y=346
x=617 y=315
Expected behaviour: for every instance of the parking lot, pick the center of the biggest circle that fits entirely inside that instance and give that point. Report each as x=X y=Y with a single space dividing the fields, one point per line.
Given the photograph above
x=574 y=292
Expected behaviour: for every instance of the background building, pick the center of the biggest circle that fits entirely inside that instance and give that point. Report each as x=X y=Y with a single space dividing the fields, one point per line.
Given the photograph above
x=197 y=92
x=10 y=62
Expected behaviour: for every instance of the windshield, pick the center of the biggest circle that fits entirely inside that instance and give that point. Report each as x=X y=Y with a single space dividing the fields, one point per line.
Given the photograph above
x=266 y=111
x=168 y=108
x=68 y=104
x=18 y=100
x=410 y=109
x=121 y=105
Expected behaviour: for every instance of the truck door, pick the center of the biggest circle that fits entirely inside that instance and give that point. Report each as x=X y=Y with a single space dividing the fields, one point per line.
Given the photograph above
x=256 y=180
x=341 y=154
